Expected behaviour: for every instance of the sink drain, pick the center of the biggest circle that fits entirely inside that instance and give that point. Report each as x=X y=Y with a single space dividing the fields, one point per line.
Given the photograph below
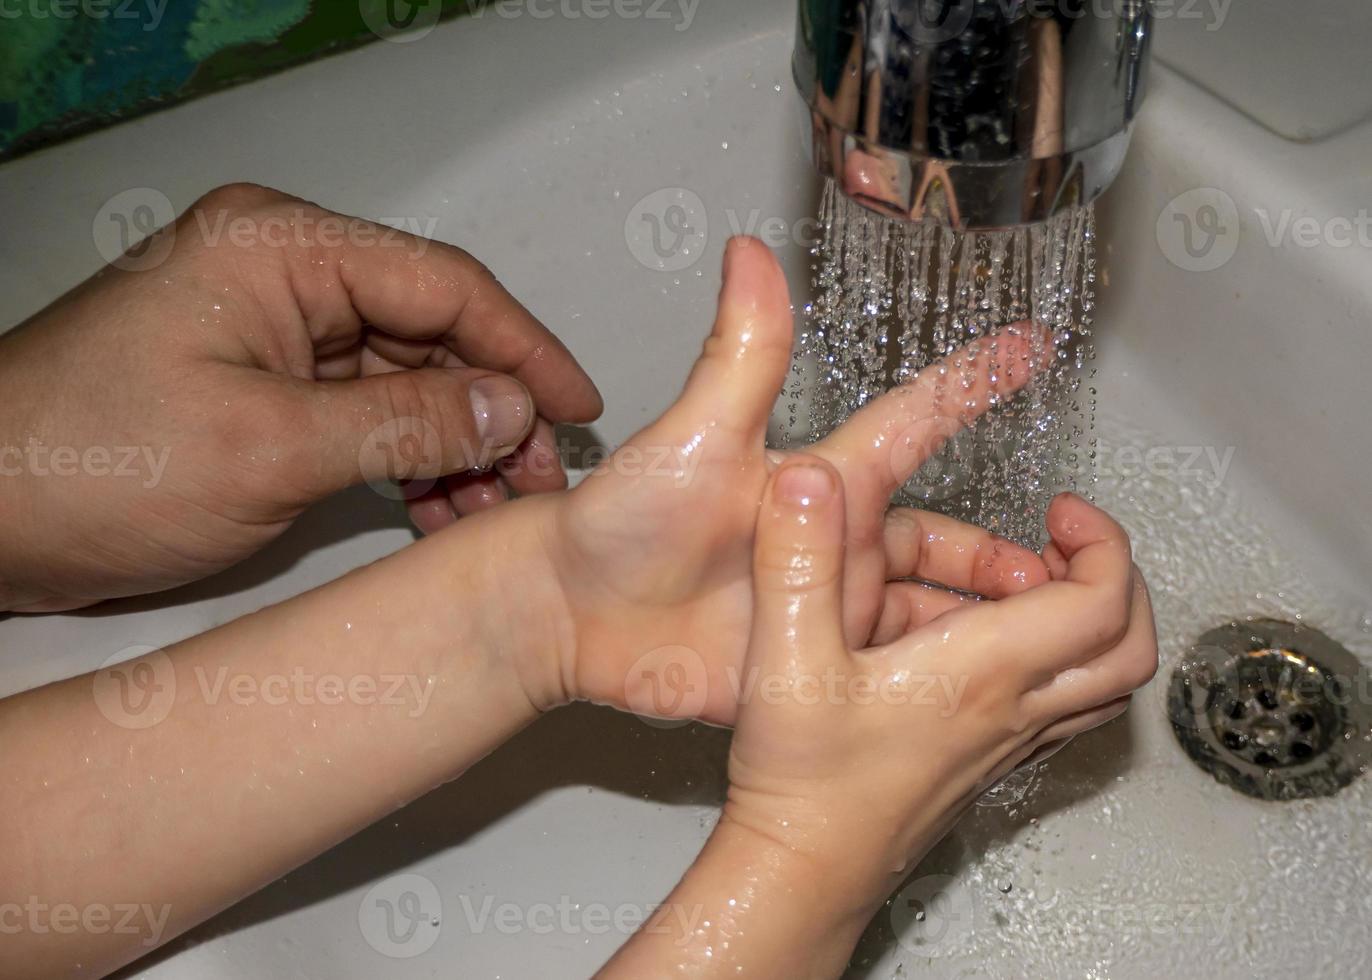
x=1276 y=710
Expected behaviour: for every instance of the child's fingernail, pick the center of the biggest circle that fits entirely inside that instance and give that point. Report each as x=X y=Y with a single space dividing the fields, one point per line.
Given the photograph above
x=804 y=486
x=501 y=410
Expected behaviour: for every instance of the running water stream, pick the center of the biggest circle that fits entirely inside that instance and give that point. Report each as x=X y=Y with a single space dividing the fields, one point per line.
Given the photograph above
x=893 y=297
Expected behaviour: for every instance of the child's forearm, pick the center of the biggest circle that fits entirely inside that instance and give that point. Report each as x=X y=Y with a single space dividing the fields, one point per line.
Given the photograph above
x=227 y=760
x=750 y=906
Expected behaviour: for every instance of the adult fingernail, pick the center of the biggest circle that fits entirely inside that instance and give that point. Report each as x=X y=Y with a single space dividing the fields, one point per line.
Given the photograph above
x=804 y=486
x=502 y=411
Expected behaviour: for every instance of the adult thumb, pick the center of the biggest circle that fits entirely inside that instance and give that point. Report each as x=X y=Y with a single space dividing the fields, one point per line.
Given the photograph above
x=417 y=424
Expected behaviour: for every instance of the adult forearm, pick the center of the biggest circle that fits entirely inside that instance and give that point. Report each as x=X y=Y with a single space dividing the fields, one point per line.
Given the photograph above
x=201 y=773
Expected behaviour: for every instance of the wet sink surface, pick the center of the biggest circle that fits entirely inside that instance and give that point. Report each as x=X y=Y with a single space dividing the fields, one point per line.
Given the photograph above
x=1124 y=860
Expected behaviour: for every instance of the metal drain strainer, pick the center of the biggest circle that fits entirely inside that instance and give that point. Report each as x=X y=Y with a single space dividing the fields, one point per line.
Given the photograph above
x=1276 y=710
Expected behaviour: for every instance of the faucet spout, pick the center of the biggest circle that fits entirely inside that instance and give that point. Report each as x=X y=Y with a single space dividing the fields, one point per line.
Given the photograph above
x=971 y=113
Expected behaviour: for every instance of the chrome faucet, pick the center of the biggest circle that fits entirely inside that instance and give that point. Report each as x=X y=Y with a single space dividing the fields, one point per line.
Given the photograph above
x=971 y=113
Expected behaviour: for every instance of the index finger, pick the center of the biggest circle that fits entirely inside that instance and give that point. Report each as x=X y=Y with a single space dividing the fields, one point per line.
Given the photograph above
x=434 y=291
x=343 y=272
x=892 y=436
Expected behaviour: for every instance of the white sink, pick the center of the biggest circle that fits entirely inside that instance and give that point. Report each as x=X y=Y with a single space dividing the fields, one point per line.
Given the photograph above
x=535 y=143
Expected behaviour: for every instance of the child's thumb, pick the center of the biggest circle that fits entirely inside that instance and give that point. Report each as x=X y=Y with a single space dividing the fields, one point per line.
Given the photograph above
x=748 y=352
x=798 y=564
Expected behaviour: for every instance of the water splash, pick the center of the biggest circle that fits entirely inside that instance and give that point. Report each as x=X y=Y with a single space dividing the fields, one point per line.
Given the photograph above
x=893 y=297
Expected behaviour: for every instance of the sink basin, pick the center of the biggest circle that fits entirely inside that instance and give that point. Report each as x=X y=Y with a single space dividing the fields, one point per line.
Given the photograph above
x=1233 y=444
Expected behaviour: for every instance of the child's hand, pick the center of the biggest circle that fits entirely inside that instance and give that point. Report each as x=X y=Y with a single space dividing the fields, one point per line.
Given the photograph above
x=849 y=761
x=653 y=552
x=863 y=757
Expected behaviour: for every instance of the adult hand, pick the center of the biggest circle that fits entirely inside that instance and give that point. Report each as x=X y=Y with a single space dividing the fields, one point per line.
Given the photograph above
x=168 y=418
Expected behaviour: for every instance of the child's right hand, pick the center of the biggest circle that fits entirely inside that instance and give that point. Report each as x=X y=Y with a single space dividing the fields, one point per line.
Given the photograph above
x=848 y=764
x=862 y=758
